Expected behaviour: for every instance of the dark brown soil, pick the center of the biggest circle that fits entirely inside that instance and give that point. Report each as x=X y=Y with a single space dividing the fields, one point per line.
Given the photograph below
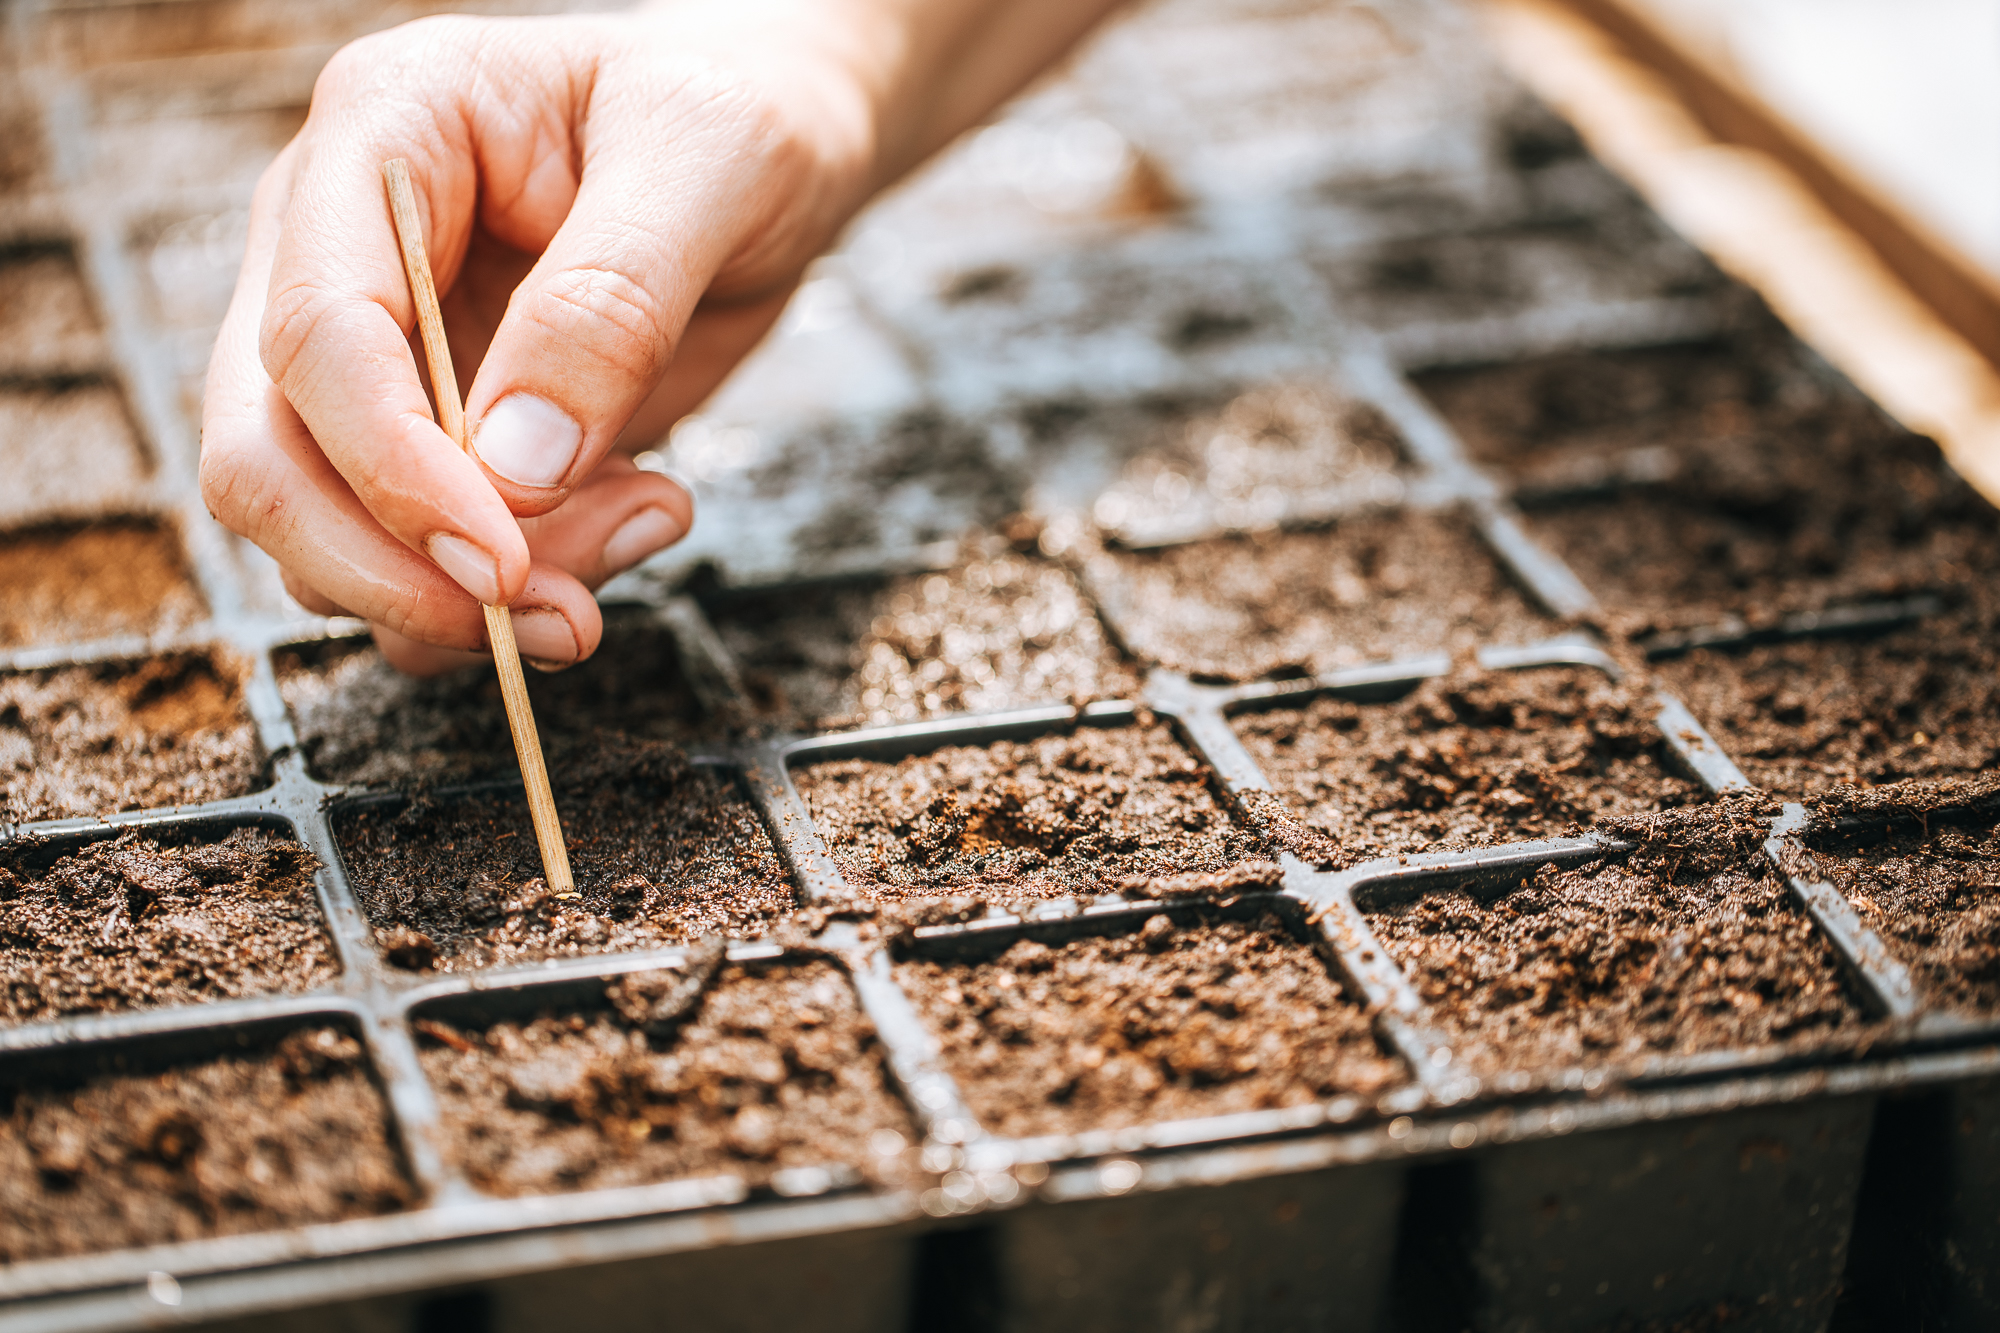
x=777 y=1069
x=661 y=851
x=130 y=924
x=236 y=1144
x=1809 y=717
x=998 y=630
x=1465 y=761
x=1692 y=944
x=89 y=740
x=47 y=326
x=69 y=584
x=1772 y=490
x=359 y=720
x=1366 y=591
x=1166 y=1023
x=1933 y=893
x=1067 y=815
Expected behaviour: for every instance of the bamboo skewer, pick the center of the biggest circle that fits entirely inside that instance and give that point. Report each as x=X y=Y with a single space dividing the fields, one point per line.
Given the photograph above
x=499 y=626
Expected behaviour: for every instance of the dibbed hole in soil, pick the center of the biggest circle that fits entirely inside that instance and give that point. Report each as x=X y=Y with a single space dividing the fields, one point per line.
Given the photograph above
x=1692 y=944
x=291 y=1134
x=1766 y=489
x=157 y=732
x=1167 y=1022
x=1367 y=590
x=1815 y=715
x=998 y=630
x=70 y=583
x=1067 y=815
x=134 y=922
x=360 y=720
x=1929 y=884
x=661 y=851
x=770 y=1069
x=1466 y=760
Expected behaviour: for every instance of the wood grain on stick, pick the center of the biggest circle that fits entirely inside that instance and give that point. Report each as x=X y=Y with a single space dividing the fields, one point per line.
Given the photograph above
x=499 y=625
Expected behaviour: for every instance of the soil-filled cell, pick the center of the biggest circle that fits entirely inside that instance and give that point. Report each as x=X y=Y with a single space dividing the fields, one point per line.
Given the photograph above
x=998 y=631
x=764 y=1070
x=70 y=584
x=1169 y=1022
x=69 y=451
x=1716 y=482
x=47 y=325
x=1929 y=884
x=360 y=720
x=1691 y=944
x=290 y=1135
x=661 y=851
x=1816 y=715
x=1068 y=815
x=88 y=740
x=132 y=922
x=1467 y=760
x=1368 y=590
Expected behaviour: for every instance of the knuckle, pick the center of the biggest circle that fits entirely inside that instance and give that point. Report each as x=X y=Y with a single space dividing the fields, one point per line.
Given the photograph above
x=617 y=318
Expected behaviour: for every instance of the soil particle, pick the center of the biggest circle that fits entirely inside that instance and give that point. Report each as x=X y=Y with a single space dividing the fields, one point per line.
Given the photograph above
x=777 y=1069
x=1368 y=590
x=130 y=924
x=360 y=720
x=1067 y=815
x=661 y=850
x=998 y=630
x=1467 y=760
x=90 y=740
x=1169 y=1022
x=1931 y=889
x=242 y=1143
x=1763 y=489
x=70 y=584
x=1813 y=716
x=1691 y=944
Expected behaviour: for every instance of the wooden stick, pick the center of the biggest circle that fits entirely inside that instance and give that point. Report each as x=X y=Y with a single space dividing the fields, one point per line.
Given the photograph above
x=499 y=626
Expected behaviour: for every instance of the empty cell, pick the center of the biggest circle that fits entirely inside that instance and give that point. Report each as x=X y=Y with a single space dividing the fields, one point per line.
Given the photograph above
x=95 y=1156
x=709 y=1071
x=1178 y=1019
x=1690 y=944
x=1065 y=815
x=1691 y=485
x=142 y=920
x=73 y=583
x=1814 y=716
x=360 y=720
x=1366 y=590
x=1465 y=761
x=47 y=324
x=1928 y=882
x=136 y=735
x=1000 y=630
x=661 y=851
x=70 y=450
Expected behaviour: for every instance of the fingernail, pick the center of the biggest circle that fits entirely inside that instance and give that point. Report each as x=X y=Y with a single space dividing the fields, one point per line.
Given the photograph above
x=544 y=637
x=639 y=536
x=470 y=568
x=528 y=440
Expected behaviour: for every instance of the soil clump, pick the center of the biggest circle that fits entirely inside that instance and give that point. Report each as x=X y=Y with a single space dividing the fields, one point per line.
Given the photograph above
x=1467 y=760
x=90 y=740
x=128 y=923
x=1166 y=1023
x=1296 y=603
x=1061 y=816
x=69 y=584
x=773 y=1068
x=662 y=851
x=244 y=1142
x=1690 y=944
